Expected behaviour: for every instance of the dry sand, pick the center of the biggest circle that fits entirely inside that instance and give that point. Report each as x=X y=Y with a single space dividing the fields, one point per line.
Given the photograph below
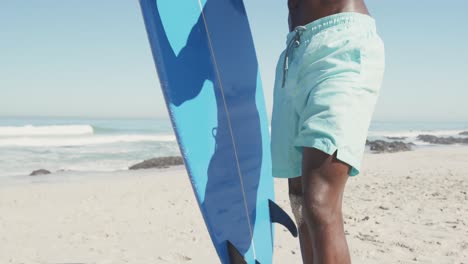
x=404 y=208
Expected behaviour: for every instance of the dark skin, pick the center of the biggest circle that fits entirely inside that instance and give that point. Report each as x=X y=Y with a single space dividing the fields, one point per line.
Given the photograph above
x=322 y=237
x=302 y=12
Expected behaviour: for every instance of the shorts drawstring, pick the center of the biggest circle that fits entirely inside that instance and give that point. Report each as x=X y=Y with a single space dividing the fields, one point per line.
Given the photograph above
x=296 y=41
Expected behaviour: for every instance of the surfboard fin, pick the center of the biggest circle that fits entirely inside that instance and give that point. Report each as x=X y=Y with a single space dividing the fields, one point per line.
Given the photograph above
x=235 y=256
x=278 y=215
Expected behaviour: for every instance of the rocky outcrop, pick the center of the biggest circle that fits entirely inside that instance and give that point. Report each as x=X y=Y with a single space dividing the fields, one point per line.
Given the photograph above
x=163 y=162
x=442 y=140
x=39 y=172
x=381 y=146
x=396 y=138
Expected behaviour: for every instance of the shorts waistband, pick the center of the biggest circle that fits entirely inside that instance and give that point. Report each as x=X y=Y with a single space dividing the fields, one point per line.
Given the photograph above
x=313 y=28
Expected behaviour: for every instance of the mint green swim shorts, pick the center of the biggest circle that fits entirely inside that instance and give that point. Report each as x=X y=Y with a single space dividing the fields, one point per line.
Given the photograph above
x=327 y=84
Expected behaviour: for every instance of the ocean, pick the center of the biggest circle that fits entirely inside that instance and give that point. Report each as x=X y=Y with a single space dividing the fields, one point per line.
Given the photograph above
x=28 y=144
x=88 y=145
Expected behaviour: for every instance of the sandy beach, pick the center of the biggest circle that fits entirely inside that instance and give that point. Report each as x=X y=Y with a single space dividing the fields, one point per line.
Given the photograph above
x=408 y=207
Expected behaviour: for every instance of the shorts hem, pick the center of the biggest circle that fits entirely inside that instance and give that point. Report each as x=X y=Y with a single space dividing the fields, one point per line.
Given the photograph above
x=327 y=146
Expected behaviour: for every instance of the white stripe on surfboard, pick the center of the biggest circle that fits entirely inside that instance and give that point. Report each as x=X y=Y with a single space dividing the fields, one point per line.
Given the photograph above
x=230 y=127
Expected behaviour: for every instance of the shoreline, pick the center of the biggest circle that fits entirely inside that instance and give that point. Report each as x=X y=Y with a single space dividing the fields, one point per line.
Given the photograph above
x=170 y=163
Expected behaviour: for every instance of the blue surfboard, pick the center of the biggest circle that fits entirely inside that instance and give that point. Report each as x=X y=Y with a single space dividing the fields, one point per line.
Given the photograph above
x=208 y=70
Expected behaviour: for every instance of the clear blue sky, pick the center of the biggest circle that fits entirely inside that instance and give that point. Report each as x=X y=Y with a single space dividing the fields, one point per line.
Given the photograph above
x=92 y=58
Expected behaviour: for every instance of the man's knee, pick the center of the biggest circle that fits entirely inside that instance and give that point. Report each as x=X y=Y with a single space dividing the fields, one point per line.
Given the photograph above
x=320 y=206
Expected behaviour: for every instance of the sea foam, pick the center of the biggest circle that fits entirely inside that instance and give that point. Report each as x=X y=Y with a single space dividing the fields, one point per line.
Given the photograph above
x=57 y=130
x=80 y=141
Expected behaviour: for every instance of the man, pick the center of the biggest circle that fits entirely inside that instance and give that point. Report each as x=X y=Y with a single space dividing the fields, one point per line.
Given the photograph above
x=327 y=83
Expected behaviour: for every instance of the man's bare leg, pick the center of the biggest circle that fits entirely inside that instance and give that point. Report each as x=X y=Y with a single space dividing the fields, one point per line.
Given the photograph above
x=297 y=201
x=323 y=182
